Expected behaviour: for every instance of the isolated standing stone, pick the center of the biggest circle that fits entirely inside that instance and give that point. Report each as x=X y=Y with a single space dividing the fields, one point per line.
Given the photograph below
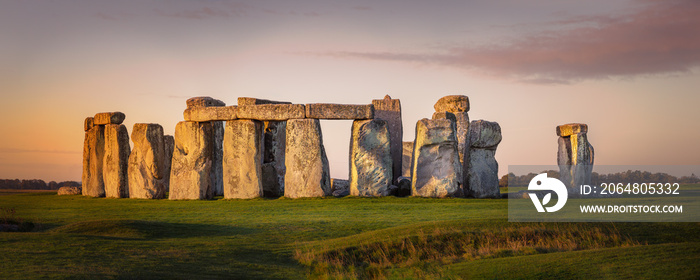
x=116 y=161
x=436 y=170
x=147 y=162
x=406 y=156
x=243 y=159
x=370 y=158
x=190 y=173
x=482 y=170
x=168 y=147
x=575 y=155
x=305 y=158
x=390 y=110
x=93 y=162
x=273 y=168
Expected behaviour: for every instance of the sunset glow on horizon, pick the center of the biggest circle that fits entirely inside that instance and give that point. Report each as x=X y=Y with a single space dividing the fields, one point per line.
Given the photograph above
x=628 y=69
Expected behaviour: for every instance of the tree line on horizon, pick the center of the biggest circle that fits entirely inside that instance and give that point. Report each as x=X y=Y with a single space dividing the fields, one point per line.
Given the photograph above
x=628 y=176
x=35 y=184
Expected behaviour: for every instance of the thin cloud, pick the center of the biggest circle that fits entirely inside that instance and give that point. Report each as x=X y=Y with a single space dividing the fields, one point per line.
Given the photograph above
x=661 y=38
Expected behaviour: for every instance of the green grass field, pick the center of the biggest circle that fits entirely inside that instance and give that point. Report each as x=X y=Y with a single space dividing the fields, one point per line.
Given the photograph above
x=81 y=237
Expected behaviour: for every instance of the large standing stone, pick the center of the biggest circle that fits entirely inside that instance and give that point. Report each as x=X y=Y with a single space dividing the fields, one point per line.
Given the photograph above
x=243 y=159
x=147 y=162
x=109 y=118
x=116 y=161
x=436 y=170
x=273 y=168
x=458 y=107
x=575 y=155
x=168 y=147
x=206 y=109
x=339 y=111
x=190 y=173
x=406 y=156
x=482 y=168
x=390 y=110
x=93 y=161
x=305 y=157
x=370 y=158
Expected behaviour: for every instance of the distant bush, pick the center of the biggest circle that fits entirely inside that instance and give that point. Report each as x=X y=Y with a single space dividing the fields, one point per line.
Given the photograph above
x=35 y=184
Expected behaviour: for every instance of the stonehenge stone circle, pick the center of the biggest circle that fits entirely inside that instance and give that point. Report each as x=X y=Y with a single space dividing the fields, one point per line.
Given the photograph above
x=307 y=172
x=435 y=169
x=575 y=155
x=93 y=162
x=146 y=162
x=482 y=168
x=370 y=158
x=190 y=173
x=116 y=161
x=339 y=111
x=243 y=159
x=390 y=110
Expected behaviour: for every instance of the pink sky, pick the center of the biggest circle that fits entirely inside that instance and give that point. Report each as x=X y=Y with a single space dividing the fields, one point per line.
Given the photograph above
x=629 y=69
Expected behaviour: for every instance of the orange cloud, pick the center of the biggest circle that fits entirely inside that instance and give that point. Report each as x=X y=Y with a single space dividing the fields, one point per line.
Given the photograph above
x=661 y=38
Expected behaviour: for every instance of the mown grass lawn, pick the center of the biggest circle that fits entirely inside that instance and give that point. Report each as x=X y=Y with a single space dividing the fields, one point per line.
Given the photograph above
x=81 y=237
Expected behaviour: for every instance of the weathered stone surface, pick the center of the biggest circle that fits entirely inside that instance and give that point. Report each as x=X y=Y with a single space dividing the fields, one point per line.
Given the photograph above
x=484 y=134
x=89 y=123
x=243 y=159
x=305 y=157
x=147 y=162
x=406 y=156
x=390 y=110
x=339 y=111
x=204 y=101
x=274 y=138
x=571 y=128
x=217 y=156
x=481 y=180
x=370 y=158
x=444 y=115
x=116 y=161
x=70 y=191
x=404 y=186
x=168 y=147
x=436 y=170
x=271 y=112
x=206 y=114
x=482 y=174
x=575 y=158
x=255 y=101
x=452 y=103
x=109 y=118
x=461 y=120
x=190 y=173
x=93 y=162
x=340 y=187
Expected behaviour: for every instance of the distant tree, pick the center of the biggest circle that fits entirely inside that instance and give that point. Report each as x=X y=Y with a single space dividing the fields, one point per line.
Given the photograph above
x=503 y=182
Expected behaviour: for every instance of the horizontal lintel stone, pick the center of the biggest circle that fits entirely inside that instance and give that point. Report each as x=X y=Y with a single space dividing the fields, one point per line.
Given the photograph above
x=242 y=101
x=571 y=129
x=207 y=114
x=271 y=112
x=339 y=111
x=109 y=118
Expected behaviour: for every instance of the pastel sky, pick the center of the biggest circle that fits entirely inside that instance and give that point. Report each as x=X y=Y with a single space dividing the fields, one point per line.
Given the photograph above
x=629 y=69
